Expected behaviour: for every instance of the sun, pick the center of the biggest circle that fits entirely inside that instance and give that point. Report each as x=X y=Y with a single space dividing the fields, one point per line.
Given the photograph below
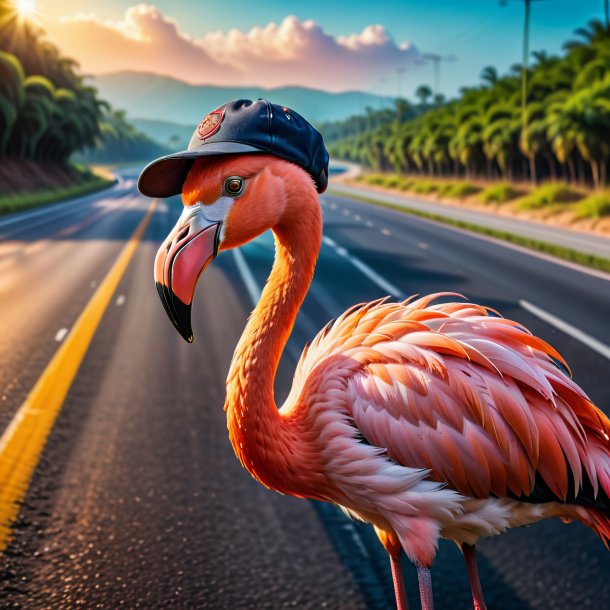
x=25 y=8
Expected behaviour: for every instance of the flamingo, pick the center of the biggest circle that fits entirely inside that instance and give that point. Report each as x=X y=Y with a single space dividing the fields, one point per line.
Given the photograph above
x=426 y=419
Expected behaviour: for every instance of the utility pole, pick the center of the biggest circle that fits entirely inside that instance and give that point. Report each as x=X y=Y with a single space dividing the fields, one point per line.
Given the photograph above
x=382 y=82
x=524 y=64
x=436 y=60
x=607 y=11
x=399 y=72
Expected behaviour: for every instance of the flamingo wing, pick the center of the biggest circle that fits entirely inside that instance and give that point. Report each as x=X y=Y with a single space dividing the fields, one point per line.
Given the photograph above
x=474 y=398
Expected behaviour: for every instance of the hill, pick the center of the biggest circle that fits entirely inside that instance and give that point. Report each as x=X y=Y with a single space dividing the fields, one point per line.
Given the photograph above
x=150 y=96
x=175 y=136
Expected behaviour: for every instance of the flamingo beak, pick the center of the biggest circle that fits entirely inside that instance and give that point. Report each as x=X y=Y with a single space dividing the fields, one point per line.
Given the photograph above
x=189 y=248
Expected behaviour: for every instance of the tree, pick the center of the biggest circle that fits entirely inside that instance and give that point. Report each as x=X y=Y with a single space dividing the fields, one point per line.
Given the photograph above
x=423 y=93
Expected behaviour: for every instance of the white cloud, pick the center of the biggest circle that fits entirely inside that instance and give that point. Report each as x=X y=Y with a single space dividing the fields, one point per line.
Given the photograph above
x=293 y=52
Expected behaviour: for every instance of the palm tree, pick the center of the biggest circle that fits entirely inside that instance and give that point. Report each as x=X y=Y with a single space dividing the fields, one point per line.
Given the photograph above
x=489 y=75
x=423 y=93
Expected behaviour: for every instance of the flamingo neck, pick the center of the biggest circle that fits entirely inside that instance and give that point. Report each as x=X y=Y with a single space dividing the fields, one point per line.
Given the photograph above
x=265 y=441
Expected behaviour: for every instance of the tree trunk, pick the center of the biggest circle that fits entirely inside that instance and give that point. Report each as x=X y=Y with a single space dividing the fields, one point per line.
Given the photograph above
x=533 y=175
x=551 y=163
x=595 y=173
x=571 y=170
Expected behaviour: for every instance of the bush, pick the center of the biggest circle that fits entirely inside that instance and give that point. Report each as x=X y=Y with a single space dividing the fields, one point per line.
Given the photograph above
x=374 y=179
x=548 y=195
x=424 y=187
x=499 y=193
x=392 y=181
x=457 y=190
x=594 y=206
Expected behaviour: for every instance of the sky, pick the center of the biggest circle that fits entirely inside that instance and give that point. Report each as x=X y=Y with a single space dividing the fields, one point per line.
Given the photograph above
x=332 y=45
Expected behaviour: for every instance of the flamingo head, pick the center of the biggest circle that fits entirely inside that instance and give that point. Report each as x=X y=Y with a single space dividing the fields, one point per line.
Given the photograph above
x=228 y=201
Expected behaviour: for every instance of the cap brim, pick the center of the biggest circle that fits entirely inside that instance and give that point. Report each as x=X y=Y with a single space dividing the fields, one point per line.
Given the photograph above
x=164 y=177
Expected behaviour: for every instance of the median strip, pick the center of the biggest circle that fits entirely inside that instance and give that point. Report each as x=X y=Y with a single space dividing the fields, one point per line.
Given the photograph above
x=25 y=437
x=568 y=254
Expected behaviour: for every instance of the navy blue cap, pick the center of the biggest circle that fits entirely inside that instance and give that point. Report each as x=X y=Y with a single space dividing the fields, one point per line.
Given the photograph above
x=242 y=126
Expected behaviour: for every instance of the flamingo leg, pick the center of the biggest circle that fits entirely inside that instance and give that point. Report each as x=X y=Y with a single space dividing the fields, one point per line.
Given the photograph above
x=399 y=585
x=470 y=555
x=391 y=543
x=425 y=588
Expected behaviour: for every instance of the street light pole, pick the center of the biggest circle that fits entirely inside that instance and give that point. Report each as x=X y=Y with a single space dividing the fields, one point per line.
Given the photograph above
x=436 y=60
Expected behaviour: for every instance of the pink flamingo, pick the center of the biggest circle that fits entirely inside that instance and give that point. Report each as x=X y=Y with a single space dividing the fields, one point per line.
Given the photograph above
x=425 y=420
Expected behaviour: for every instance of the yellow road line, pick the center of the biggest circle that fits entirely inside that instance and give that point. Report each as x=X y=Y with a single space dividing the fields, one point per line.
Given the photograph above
x=25 y=438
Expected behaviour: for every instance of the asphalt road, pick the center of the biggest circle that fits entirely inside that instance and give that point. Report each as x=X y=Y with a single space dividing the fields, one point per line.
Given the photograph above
x=582 y=241
x=138 y=501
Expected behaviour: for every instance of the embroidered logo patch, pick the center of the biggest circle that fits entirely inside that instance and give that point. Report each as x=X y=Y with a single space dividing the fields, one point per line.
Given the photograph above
x=211 y=124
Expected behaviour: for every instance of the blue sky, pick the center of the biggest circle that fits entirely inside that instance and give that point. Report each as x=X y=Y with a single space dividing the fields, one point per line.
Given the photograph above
x=477 y=32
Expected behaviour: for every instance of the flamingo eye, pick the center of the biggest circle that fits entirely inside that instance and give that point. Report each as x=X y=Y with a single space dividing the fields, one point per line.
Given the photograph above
x=234 y=185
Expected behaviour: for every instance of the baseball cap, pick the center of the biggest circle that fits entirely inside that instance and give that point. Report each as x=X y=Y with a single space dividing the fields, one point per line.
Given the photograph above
x=242 y=126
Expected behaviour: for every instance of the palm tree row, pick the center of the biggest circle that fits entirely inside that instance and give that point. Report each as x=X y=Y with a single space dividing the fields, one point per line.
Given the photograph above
x=481 y=134
x=47 y=111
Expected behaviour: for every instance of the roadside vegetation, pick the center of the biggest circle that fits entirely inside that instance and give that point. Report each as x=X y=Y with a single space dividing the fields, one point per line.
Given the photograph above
x=484 y=141
x=48 y=114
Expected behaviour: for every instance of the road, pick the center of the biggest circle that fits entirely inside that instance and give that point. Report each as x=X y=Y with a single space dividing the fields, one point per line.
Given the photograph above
x=138 y=501
x=582 y=241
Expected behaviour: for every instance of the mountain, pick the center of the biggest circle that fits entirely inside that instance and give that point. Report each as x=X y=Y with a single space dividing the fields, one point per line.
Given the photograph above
x=173 y=135
x=162 y=98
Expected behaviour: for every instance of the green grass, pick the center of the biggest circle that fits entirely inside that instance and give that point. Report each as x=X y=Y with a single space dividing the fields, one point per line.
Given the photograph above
x=499 y=193
x=424 y=187
x=457 y=190
x=594 y=206
x=453 y=190
x=22 y=201
x=549 y=195
x=574 y=256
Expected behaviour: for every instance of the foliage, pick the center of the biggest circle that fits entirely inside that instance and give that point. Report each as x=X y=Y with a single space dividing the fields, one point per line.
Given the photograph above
x=482 y=134
x=457 y=190
x=47 y=110
x=547 y=195
x=594 y=206
x=499 y=193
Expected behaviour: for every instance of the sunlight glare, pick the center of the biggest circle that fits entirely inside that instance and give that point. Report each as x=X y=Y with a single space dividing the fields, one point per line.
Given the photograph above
x=25 y=7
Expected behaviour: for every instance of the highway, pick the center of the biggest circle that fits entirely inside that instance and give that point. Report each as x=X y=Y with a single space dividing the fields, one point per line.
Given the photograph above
x=138 y=501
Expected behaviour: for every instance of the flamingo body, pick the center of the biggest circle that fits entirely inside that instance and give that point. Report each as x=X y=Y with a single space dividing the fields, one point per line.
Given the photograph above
x=457 y=397
x=424 y=419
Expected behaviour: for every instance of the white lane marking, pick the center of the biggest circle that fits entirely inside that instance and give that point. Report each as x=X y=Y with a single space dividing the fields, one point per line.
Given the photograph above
x=254 y=292
x=423 y=245
x=345 y=212
x=120 y=300
x=567 y=328
x=386 y=232
x=369 y=223
x=61 y=334
x=384 y=284
x=358 y=217
x=333 y=206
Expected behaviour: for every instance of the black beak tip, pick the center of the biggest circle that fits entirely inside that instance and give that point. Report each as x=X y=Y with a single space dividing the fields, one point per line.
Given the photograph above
x=178 y=312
